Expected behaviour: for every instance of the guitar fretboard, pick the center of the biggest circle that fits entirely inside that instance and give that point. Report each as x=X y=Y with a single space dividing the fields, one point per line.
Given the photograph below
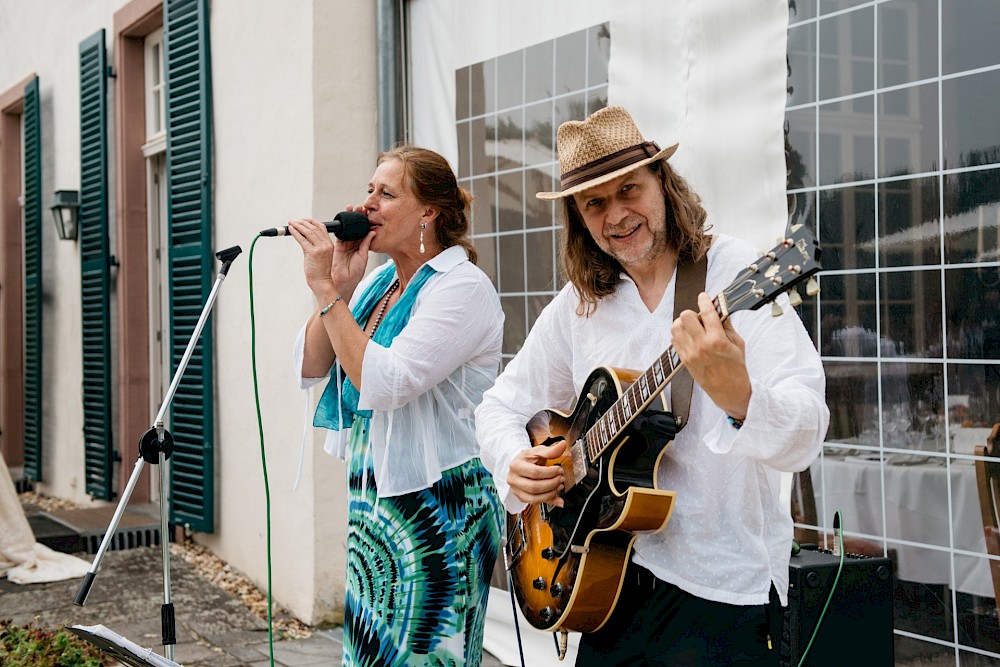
x=635 y=399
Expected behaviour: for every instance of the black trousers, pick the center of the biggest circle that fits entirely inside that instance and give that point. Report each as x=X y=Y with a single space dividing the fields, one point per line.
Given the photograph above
x=656 y=623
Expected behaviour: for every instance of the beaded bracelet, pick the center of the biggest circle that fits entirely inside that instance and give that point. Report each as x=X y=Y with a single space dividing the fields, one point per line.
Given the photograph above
x=735 y=423
x=326 y=309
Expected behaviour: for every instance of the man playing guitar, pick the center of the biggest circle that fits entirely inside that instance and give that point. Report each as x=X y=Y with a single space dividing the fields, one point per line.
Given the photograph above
x=697 y=589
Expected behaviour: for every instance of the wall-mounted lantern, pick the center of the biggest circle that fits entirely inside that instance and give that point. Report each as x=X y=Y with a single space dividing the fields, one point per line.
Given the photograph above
x=65 y=204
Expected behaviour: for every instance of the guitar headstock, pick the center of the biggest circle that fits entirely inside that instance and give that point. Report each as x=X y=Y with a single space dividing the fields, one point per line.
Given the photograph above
x=781 y=269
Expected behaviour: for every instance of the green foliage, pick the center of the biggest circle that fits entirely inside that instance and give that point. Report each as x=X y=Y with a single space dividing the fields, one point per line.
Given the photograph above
x=34 y=646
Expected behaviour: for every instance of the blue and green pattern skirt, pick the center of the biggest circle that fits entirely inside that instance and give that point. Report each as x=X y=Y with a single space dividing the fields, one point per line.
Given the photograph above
x=418 y=566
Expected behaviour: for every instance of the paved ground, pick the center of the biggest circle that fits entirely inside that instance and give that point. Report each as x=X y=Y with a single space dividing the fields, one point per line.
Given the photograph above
x=213 y=627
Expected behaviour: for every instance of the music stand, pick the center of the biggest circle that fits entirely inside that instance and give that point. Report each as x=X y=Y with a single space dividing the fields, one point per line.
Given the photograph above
x=155 y=447
x=120 y=648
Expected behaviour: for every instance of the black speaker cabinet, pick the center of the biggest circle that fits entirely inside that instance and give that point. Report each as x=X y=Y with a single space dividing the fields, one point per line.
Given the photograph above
x=857 y=627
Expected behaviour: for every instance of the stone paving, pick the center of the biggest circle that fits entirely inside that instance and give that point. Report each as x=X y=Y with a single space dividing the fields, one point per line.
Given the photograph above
x=213 y=627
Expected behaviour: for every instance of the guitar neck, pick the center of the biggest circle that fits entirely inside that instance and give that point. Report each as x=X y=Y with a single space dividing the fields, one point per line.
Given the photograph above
x=639 y=395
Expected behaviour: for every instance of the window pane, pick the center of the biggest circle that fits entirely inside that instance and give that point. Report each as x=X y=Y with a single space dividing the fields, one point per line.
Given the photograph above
x=510 y=189
x=848 y=321
x=907 y=34
x=969 y=124
x=909 y=225
x=847 y=227
x=852 y=396
x=802 y=64
x=540 y=261
x=911 y=313
x=510 y=80
x=847 y=47
x=571 y=53
x=908 y=130
x=511 y=262
x=972 y=217
x=846 y=141
x=969 y=35
x=973 y=302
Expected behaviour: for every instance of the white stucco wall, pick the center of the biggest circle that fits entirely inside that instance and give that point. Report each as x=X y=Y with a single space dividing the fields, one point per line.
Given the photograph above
x=294 y=110
x=44 y=38
x=294 y=116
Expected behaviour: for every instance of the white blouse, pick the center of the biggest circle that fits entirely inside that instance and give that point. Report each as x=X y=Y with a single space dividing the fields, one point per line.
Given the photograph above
x=424 y=388
x=729 y=536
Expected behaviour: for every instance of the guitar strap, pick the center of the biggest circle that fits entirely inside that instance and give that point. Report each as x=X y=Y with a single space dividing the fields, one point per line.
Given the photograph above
x=690 y=283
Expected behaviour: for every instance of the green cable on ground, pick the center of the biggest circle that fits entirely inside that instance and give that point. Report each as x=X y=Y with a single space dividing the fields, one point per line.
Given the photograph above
x=263 y=456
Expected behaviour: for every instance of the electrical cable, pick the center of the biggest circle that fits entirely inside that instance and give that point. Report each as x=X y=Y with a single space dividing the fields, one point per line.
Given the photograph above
x=839 y=537
x=263 y=457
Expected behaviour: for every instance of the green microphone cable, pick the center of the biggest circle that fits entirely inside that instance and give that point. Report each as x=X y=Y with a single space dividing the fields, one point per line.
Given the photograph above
x=838 y=549
x=263 y=456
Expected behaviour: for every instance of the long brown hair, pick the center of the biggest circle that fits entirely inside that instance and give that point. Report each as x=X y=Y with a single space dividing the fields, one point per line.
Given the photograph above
x=432 y=181
x=595 y=274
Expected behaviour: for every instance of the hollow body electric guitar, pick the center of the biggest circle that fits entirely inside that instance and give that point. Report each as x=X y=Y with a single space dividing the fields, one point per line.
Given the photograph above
x=567 y=563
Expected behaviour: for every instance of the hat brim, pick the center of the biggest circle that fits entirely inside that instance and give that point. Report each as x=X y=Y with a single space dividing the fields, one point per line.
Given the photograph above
x=604 y=178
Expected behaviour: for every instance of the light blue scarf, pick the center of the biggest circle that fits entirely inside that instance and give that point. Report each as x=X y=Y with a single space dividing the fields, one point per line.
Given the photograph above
x=328 y=412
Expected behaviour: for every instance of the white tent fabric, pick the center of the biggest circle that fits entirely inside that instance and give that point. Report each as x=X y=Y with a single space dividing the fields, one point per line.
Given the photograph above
x=22 y=559
x=710 y=75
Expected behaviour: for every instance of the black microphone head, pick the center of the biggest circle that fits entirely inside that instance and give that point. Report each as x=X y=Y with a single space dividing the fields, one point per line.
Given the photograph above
x=351 y=225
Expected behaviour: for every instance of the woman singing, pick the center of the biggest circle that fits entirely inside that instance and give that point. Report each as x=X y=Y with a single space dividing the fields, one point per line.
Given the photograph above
x=409 y=351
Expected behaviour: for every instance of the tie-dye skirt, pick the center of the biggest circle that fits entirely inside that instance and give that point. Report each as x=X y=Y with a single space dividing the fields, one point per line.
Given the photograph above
x=418 y=566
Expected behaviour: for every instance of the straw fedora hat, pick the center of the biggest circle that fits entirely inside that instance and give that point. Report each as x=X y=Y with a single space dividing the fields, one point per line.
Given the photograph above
x=600 y=149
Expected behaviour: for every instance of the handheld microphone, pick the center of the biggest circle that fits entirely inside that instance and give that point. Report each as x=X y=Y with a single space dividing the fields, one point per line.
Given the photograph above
x=346 y=226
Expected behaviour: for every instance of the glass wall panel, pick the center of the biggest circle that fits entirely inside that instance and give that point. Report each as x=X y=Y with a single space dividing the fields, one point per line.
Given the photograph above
x=907 y=41
x=972 y=220
x=908 y=130
x=846 y=54
x=970 y=131
x=969 y=35
x=847 y=227
x=846 y=141
x=506 y=129
x=911 y=312
x=909 y=224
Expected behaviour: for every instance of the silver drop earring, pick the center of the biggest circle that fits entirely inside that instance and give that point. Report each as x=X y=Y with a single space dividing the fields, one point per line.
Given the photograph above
x=423 y=226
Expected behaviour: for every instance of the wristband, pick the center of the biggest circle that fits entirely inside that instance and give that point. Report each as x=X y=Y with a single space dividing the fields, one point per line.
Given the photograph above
x=735 y=423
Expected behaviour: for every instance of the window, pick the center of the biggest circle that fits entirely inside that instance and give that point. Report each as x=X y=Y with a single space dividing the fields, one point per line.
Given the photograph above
x=507 y=111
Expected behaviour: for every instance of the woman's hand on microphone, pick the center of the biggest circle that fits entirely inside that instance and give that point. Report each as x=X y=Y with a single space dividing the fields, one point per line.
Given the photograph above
x=332 y=267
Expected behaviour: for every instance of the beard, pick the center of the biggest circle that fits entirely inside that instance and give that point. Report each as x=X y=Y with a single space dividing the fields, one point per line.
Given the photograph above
x=650 y=250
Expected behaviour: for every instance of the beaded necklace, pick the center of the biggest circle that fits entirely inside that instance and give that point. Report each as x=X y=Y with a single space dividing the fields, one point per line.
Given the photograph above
x=385 y=304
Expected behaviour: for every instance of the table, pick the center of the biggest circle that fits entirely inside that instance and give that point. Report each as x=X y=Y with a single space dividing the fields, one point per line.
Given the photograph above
x=915 y=510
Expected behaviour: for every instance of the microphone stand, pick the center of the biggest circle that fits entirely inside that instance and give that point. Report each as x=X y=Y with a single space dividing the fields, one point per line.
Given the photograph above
x=155 y=447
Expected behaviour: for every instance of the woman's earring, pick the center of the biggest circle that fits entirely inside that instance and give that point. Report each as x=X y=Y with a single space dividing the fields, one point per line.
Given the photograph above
x=423 y=226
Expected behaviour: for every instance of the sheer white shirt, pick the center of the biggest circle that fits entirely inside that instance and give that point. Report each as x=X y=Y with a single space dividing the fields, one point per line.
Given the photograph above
x=423 y=389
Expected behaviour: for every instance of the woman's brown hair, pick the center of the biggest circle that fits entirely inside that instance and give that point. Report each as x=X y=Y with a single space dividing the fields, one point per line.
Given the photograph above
x=433 y=183
x=595 y=274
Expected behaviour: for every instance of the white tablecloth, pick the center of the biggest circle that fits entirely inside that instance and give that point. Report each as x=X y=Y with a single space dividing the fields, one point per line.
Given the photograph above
x=916 y=509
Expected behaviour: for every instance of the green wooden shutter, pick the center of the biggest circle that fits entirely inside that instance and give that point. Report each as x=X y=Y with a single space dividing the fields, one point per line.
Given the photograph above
x=189 y=216
x=95 y=276
x=32 y=119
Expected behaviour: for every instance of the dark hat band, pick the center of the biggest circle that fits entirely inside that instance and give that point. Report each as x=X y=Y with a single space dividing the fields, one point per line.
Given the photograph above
x=609 y=163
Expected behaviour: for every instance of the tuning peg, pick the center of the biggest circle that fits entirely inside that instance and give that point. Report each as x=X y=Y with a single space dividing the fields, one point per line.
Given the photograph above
x=812 y=287
x=775 y=309
x=794 y=298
